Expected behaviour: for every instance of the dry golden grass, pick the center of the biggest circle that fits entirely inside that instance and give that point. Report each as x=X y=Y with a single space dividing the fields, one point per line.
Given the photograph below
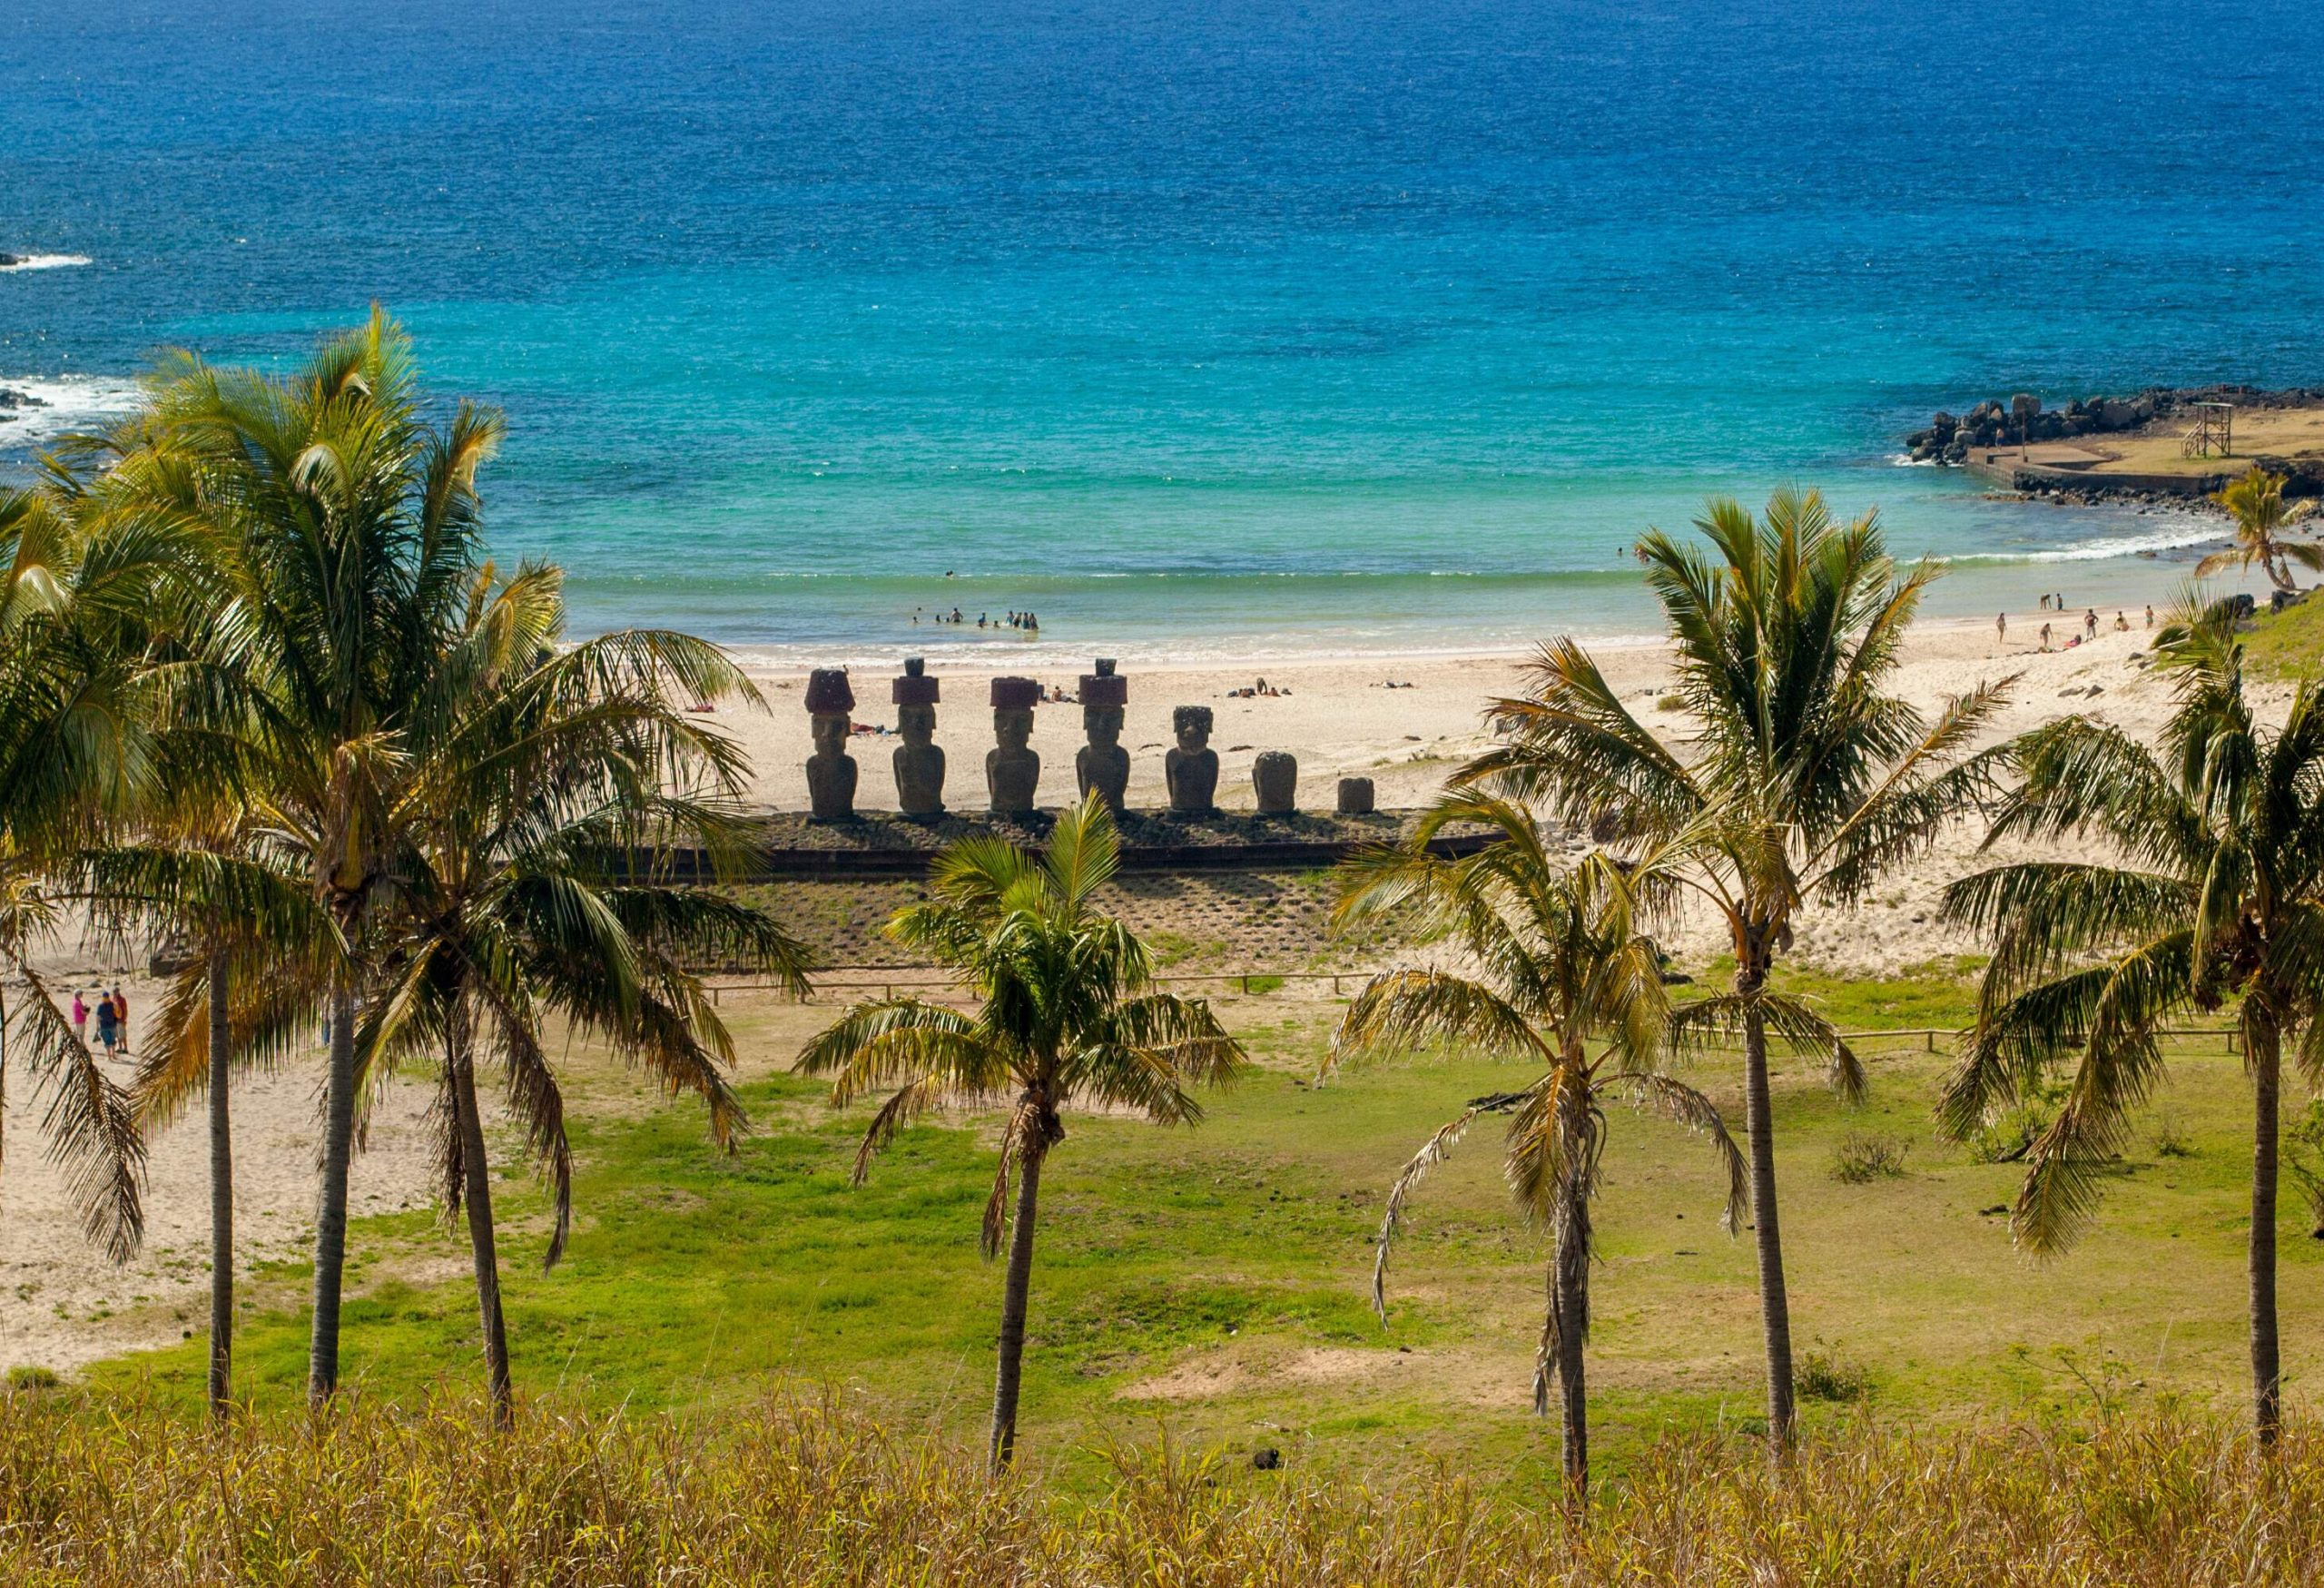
x=2287 y=432
x=99 y=1494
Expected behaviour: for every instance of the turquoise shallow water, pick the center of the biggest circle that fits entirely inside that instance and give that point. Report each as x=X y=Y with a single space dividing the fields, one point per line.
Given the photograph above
x=1234 y=329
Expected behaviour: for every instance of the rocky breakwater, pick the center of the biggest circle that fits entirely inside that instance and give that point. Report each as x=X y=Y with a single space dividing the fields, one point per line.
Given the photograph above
x=2024 y=419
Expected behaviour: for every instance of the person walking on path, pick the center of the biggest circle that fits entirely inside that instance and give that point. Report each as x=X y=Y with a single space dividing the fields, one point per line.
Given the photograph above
x=108 y=1026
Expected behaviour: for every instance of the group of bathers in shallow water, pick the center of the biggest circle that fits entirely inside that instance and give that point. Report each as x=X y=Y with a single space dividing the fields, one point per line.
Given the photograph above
x=1028 y=622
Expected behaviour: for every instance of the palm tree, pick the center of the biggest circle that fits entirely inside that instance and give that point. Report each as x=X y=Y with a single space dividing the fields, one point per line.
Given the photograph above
x=1560 y=966
x=359 y=658
x=2257 y=502
x=78 y=593
x=1802 y=781
x=2216 y=897
x=238 y=1001
x=1066 y=1014
x=340 y=537
x=516 y=900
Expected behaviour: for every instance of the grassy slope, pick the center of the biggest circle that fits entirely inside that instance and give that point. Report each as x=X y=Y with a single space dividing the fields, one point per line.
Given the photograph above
x=2288 y=644
x=1216 y=1278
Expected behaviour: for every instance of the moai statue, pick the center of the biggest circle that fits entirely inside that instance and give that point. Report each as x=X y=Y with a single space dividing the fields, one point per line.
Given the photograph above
x=830 y=770
x=1102 y=763
x=1012 y=770
x=1275 y=776
x=918 y=760
x=1192 y=769
x=1355 y=796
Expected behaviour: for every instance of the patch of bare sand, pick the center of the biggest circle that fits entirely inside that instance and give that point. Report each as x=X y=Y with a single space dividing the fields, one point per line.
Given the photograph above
x=62 y=1305
x=1470 y=1378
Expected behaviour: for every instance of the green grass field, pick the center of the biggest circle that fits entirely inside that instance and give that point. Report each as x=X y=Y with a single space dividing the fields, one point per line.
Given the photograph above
x=1214 y=1280
x=2288 y=644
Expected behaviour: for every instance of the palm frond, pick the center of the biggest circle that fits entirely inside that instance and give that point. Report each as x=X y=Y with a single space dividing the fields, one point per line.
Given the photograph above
x=1433 y=1152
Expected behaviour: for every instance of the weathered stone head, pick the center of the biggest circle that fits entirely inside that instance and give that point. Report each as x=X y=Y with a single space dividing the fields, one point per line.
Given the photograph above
x=1102 y=764
x=1011 y=768
x=1192 y=769
x=831 y=771
x=1191 y=723
x=1274 y=779
x=918 y=760
x=1105 y=700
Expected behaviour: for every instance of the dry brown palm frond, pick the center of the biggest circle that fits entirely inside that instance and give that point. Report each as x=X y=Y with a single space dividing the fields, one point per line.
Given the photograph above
x=1432 y=1153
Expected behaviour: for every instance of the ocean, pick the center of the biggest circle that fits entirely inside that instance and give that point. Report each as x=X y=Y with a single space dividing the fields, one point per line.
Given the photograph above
x=1237 y=328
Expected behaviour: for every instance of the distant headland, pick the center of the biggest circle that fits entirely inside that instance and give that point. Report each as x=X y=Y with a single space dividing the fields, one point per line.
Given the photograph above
x=2165 y=442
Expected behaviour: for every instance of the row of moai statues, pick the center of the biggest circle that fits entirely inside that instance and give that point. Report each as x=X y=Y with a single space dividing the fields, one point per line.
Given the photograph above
x=1012 y=767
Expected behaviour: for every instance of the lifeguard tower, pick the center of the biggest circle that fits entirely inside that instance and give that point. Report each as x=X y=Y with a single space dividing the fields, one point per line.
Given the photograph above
x=2213 y=435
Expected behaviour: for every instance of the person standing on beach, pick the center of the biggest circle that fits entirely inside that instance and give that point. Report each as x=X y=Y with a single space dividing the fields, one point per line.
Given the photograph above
x=80 y=1018
x=2090 y=624
x=2149 y=615
x=108 y=1026
x=2001 y=628
x=2045 y=637
x=121 y=1018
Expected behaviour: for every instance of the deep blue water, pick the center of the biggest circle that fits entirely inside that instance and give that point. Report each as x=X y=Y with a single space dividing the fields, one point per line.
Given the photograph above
x=1239 y=326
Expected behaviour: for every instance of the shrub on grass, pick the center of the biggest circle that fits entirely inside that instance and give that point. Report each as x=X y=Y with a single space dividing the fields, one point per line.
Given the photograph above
x=2170 y=1141
x=1863 y=1155
x=2010 y=1136
x=1827 y=1374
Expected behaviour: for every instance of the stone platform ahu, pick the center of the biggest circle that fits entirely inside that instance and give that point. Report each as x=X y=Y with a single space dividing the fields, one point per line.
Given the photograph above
x=1012 y=767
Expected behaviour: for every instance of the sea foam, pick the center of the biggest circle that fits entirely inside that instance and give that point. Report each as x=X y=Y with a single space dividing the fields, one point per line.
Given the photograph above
x=59 y=403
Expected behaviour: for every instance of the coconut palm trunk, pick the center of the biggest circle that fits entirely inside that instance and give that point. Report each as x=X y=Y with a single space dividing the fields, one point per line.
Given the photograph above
x=2266 y=1044
x=1570 y=1324
x=330 y=1210
x=1016 y=1292
x=221 y=1195
x=476 y=1190
x=1759 y=1117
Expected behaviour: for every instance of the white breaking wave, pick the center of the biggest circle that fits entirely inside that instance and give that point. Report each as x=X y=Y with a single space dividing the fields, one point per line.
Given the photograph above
x=2182 y=529
x=57 y=403
x=46 y=261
